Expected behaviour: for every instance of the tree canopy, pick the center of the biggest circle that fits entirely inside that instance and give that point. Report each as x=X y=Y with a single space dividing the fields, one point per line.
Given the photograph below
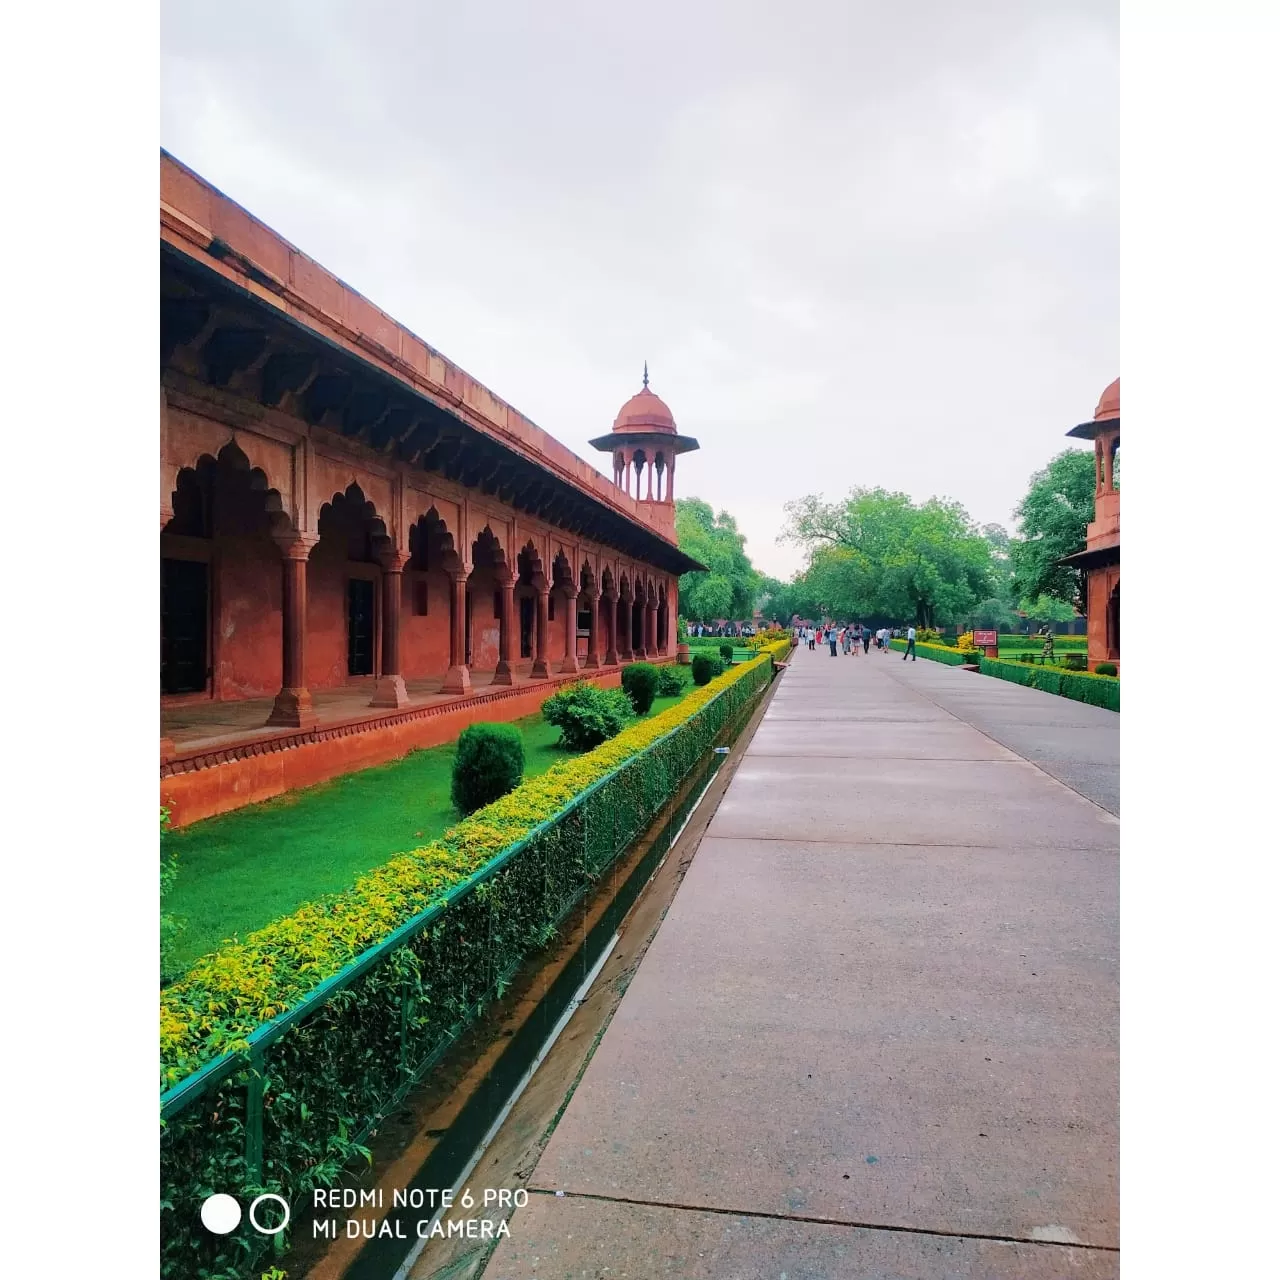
x=1052 y=517
x=876 y=554
x=732 y=583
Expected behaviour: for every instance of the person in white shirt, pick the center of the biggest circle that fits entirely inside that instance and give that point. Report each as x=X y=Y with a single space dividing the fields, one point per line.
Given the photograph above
x=911 y=644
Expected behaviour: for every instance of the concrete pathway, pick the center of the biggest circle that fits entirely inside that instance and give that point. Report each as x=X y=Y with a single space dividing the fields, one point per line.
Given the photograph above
x=876 y=1035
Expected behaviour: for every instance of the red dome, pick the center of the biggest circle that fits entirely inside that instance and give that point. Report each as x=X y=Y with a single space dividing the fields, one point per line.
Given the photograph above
x=644 y=412
x=1109 y=405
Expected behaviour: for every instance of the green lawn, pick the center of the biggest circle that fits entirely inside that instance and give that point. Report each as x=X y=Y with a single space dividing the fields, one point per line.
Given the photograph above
x=241 y=870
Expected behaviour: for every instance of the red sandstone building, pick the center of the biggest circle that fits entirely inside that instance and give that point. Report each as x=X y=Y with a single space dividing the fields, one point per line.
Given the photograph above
x=1100 y=560
x=362 y=549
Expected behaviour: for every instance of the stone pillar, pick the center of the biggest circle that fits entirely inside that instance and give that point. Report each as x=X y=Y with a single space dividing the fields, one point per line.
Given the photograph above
x=593 y=633
x=610 y=601
x=570 y=664
x=293 y=707
x=671 y=479
x=389 y=690
x=503 y=672
x=541 y=667
x=458 y=677
x=624 y=640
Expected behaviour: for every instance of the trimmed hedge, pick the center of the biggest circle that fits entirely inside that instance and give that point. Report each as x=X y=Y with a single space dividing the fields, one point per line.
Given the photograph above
x=705 y=668
x=640 y=684
x=934 y=652
x=671 y=681
x=1079 y=686
x=488 y=763
x=323 y=1082
x=587 y=715
x=228 y=993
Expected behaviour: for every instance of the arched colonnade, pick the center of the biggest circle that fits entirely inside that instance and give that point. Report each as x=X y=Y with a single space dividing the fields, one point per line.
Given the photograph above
x=252 y=604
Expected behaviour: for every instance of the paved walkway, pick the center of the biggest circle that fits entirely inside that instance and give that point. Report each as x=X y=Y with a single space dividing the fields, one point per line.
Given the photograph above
x=876 y=1035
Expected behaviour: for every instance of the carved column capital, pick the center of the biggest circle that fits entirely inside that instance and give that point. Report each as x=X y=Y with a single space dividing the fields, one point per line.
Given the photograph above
x=294 y=545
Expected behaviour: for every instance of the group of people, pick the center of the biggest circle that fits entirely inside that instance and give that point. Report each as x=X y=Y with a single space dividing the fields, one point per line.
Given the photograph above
x=851 y=637
x=735 y=629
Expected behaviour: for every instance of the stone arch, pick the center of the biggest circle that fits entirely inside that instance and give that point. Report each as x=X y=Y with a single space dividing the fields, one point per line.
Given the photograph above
x=350 y=516
x=664 y=619
x=484 y=603
x=344 y=597
x=1113 y=622
x=190 y=441
x=431 y=544
x=531 y=579
x=220 y=580
x=427 y=597
x=196 y=503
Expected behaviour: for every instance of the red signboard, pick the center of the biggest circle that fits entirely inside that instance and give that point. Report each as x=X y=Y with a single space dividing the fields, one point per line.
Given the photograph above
x=985 y=638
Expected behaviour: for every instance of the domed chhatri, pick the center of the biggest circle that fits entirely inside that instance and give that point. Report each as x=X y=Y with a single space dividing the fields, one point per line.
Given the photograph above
x=645 y=411
x=644 y=443
x=1099 y=562
x=1109 y=405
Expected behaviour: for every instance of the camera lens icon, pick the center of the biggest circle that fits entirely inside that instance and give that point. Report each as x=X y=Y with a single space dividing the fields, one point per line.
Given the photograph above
x=221 y=1214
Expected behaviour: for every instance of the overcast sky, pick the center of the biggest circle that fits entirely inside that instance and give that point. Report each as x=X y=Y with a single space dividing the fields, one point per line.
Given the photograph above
x=858 y=243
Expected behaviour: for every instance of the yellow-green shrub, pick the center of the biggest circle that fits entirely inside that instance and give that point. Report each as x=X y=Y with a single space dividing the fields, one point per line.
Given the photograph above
x=415 y=951
x=225 y=995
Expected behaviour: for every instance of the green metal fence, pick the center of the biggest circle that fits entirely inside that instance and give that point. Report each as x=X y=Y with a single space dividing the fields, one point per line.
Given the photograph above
x=289 y=1110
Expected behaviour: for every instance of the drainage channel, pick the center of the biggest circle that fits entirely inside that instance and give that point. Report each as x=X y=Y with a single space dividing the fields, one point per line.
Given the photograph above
x=442 y=1132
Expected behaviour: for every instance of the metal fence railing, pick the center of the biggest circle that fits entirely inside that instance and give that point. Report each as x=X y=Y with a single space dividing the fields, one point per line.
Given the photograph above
x=283 y=1114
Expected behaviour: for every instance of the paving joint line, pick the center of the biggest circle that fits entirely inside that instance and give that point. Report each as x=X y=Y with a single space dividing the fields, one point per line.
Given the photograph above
x=809 y=755
x=822 y=1222
x=907 y=844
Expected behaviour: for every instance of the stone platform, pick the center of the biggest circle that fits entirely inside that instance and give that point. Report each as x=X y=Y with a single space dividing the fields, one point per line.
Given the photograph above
x=877 y=1033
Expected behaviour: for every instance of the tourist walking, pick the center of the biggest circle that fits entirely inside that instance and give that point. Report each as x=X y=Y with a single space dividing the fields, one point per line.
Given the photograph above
x=911 y=644
x=866 y=639
x=831 y=640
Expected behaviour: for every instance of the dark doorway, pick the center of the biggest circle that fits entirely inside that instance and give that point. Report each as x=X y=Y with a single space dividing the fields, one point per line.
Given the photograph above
x=359 y=627
x=1113 y=623
x=184 y=626
x=637 y=627
x=526 y=626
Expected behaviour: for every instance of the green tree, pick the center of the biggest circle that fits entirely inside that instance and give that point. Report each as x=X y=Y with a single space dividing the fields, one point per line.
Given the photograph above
x=1051 y=523
x=998 y=540
x=877 y=554
x=1047 y=609
x=994 y=614
x=731 y=584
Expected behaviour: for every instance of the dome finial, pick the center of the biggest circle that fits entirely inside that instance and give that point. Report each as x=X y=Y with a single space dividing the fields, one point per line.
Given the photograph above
x=646 y=375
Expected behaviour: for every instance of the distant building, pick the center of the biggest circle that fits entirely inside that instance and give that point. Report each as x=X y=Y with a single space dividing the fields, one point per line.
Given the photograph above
x=1100 y=560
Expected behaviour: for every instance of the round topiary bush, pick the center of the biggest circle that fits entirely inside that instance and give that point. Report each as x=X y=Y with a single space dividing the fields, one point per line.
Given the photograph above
x=640 y=683
x=705 y=668
x=726 y=652
x=671 y=683
x=1105 y=668
x=587 y=716
x=489 y=762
